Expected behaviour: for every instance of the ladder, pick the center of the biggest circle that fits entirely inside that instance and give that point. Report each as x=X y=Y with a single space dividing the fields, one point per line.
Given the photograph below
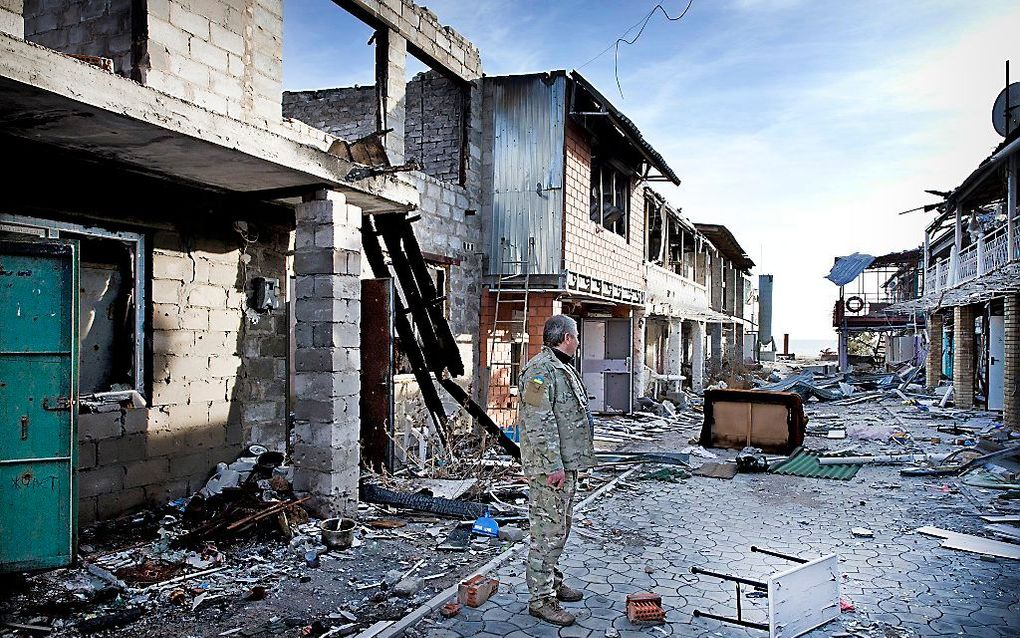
x=508 y=339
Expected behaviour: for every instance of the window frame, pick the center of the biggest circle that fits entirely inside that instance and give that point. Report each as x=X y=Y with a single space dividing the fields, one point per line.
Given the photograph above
x=136 y=241
x=600 y=168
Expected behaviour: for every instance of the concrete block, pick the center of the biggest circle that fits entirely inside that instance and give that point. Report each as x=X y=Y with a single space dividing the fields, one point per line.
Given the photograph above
x=139 y=473
x=224 y=366
x=226 y=39
x=122 y=449
x=208 y=54
x=96 y=427
x=102 y=480
x=166 y=291
x=195 y=318
x=207 y=296
x=86 y=455
x=224 y=320
x=193 y=23
x=109 y=505
x=207 y=390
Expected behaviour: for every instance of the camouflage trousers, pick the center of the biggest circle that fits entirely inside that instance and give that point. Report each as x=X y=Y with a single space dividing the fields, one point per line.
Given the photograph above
x=550 y=510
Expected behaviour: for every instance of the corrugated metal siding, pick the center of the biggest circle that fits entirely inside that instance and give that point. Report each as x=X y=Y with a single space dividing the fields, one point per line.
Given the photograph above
x=848 y=268
x=527 y=164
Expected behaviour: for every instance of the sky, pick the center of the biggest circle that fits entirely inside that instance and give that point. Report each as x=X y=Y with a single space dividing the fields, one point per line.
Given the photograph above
x=803 y=126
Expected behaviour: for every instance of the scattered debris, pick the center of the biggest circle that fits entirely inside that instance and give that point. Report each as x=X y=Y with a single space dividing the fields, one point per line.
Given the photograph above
x=970 y=543
x=712 y=469
x=474 y=591
x=862 y=532
x=645 y=608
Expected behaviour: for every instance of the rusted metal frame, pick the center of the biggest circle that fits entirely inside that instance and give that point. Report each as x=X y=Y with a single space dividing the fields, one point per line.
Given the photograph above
x=389 y=228
x=408 y=344
x=433 y=302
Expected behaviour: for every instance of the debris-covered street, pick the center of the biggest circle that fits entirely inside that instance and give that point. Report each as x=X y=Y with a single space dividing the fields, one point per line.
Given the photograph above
x=373 y=319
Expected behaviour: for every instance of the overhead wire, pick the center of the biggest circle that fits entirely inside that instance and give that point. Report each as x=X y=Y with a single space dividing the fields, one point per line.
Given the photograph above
x=643 y=23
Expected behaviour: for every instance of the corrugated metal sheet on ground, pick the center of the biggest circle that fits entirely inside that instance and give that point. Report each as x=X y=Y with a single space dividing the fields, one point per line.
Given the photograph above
x=805 y=463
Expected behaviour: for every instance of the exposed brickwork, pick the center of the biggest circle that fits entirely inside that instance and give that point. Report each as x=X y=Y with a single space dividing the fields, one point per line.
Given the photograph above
x=589 y=248
x=218 y=381
x=97 y=27
x=424 y=32
x=963 y=356
x=347 y=113
x=1011 y=373
x=933 y=364
x=434 y=127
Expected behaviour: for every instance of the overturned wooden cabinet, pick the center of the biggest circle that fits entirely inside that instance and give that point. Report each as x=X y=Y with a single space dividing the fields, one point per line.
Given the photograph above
x=735 y=419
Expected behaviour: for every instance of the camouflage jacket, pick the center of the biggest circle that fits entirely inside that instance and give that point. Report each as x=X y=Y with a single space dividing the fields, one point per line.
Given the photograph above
x=556 y=433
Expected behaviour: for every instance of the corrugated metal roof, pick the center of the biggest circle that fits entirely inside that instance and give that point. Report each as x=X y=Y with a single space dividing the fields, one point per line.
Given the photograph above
x=629 y=128
x=846 y=269
x=805 y=463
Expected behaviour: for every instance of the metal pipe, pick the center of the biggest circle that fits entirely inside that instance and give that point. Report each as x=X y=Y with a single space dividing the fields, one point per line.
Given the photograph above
x=757 y=584
x=1011 y=208
x=882 y=458
x=743 y=623
x=769 y=552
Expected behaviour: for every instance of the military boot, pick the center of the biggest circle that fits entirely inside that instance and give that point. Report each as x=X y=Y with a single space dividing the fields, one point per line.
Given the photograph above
x=568 y=594
x=550 y=611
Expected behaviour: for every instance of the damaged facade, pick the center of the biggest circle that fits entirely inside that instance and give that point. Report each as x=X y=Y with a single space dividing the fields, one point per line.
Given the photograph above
x=220 y=294
x=697 y=299
x=218 y=291
x=971 y=301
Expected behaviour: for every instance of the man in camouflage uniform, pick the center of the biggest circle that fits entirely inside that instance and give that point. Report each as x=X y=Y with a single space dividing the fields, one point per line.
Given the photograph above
x=556 y=442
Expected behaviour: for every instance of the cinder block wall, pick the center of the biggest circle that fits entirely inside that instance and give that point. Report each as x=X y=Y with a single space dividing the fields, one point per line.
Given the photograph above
x=348 y=113
x=12 y=19
x=96 y=27
x=433 y=130
x=588 y=247
x=219 y=382
x=224 y=56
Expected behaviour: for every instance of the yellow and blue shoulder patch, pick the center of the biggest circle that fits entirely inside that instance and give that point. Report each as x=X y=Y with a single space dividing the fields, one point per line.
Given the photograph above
x=534 y=391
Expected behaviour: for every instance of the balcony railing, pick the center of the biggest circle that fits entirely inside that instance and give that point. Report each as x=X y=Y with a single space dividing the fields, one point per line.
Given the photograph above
x=983 y=256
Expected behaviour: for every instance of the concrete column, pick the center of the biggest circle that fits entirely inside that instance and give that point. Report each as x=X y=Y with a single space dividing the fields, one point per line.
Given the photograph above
x=1011 y=374
x=933 y=366
x=715 y=335
x=674 y=352
x=963 y=356
x=639 y=381
x=391 y=86
x=697 y=355
x=327 y=265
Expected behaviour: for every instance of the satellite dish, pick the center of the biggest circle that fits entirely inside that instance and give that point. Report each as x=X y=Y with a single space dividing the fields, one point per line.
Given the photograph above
x=999 y=119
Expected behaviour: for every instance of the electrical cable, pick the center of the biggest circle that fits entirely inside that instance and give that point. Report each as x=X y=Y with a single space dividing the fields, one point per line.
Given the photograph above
x=622 y=39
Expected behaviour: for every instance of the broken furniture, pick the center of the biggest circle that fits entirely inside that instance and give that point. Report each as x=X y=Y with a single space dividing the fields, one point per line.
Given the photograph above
x=799 y=599
x=735 y=419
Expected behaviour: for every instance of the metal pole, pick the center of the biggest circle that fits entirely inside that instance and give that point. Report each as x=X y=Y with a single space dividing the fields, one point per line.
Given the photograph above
x=757 y=584
x=1011 y=208
x=769 y=552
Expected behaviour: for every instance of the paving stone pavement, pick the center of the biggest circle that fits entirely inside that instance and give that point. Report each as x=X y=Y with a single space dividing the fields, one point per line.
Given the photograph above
x=901 y=583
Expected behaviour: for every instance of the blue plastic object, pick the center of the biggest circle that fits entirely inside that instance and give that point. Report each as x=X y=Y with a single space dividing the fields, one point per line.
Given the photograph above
x=486 y=526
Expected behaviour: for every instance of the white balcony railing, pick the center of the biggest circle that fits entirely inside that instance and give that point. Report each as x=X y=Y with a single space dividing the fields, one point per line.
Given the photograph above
x=983 y=256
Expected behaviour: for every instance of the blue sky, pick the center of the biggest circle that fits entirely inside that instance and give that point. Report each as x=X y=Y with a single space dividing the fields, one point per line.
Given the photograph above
x=803 y=126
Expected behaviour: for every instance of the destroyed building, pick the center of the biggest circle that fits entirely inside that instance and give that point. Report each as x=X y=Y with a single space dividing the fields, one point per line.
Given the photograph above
x=696 y=297
x=207 y=250
x=971 y=288
x=563 y=225
x=869 y=333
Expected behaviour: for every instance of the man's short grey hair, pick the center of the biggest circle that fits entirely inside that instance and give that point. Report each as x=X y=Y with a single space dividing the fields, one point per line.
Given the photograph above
x=557 y=327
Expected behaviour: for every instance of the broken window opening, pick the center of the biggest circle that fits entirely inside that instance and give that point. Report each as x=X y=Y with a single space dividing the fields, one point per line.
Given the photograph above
x=610 y=197
x=339 y=99
x=440 y=274
x=111 y=328
x=654 y=230
x=436 y=122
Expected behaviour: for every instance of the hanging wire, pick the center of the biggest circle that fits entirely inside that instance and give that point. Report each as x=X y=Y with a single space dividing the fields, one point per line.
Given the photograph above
x=622 y=39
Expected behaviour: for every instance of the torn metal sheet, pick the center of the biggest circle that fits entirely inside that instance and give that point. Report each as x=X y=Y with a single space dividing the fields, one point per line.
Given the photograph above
x=848 y=268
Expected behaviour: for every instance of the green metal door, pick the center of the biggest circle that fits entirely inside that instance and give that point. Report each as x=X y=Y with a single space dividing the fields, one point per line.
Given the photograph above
x=38 y=401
